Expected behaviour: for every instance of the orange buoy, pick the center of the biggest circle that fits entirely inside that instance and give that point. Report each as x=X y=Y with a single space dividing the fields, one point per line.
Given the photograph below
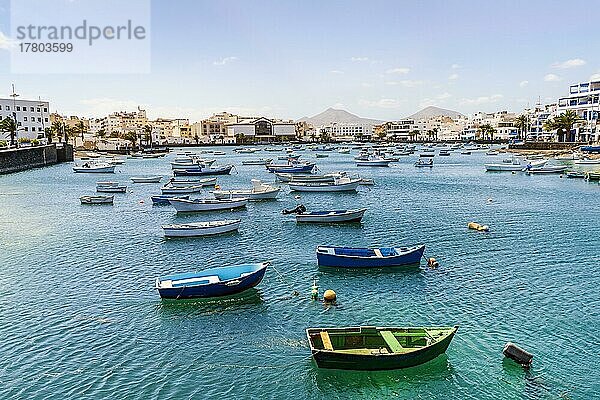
x=329 y=296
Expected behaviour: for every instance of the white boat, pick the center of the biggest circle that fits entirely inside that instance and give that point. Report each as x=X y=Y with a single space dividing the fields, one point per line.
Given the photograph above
x=96 y=199
x=511 y=165
x=201 y=228
x=492 y=153
x=110 y=187
x=146 y=179
x=179 y=182
x=91 y=167
x=373 y=162
x=343 y=184
x=344 y=150
x=587 y=162
x=259 y=191
x=367 y=182
x=260 y=161
x=191 y=164
x=422 y=163
x=170 y=189
x=331 y=216
x=218 y=153
x=284 y=177
x=183 y=205
x=546 y=170
x=427 y=154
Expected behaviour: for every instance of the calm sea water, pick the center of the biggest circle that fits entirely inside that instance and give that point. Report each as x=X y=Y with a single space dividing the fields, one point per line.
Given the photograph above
x=79 y=317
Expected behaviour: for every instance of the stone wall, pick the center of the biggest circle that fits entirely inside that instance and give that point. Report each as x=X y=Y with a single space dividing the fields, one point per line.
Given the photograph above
x=14 y=160
x=544 y=146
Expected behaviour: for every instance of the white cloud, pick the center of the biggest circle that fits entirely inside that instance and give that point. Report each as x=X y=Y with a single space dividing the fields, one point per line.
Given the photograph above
x=575 y=62
x=523 y=83
x=102 y=106
x=552 y=78
x=225 y=60
x=366 y=85
x=382 y=103
x=453 y=77
x=401 y=71
x=443 y=96
x=406 y=83
x=338 y=106
x=359 y=59
x=455 y=66
x=436 y=100
x=336 y=71
x=595 y=77
x=481 y=100
x=5 y=42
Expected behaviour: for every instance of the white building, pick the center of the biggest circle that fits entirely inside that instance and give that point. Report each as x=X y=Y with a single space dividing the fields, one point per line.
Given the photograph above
x=347 y=131
x=33 y=116
x=583 y=98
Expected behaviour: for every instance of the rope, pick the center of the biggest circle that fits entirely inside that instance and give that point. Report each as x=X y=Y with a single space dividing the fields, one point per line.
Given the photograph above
x=294 y=291
x=303 y=359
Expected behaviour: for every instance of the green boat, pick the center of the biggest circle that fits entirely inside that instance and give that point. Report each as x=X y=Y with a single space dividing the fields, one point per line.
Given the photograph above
x=377 y=348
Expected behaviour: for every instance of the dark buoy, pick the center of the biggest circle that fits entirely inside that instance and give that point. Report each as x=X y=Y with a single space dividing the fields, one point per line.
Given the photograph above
x=517 y=354
x=432 y=263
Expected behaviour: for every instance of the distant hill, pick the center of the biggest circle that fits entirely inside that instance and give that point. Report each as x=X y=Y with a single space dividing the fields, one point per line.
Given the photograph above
x=339 y=116
x=431 y=111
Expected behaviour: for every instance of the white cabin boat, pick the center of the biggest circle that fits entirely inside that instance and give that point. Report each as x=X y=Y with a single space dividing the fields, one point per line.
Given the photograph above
x=343 y=184
x=146 y=179
x=373 y=162
x=110 y=187
x=98 y=168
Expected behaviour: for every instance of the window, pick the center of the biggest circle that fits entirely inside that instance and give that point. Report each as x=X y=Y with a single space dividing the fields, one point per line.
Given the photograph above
x=18 y=108
x=7 y=108
x=45 y=119
x=31 y=109
x=45 y=109
x=39 y=119
x=25 y=119
x=26 y=129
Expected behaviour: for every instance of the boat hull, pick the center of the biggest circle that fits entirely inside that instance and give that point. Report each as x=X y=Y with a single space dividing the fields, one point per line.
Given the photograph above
x=99 y=170
x=224 y=288
x=203 y=171
x=332 y=217
x=149 y=179
x=251 y=195
x=324 y=187
x=173 y=231
x=385 y=163
x=411 y=256
x=182 y=205
x=376 y=362
x=164 y=200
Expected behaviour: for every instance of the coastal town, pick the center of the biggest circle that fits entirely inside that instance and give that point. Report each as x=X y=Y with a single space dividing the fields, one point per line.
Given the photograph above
x=26 y=122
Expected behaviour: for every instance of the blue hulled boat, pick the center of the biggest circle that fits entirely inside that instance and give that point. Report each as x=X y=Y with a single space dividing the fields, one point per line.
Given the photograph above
x=351 y=257
x=591 y=149
x=291 y=169
x=212 y=282
x=164 y=199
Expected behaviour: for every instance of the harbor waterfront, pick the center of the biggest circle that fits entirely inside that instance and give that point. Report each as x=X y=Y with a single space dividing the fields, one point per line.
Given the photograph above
x=80 y=318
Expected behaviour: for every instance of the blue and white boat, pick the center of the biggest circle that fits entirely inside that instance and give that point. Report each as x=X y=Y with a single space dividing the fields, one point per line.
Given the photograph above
x=291 y=168
x=331 y=216
x=202 y=170
x=164 y=199
x=352 y=257
x=212 y=282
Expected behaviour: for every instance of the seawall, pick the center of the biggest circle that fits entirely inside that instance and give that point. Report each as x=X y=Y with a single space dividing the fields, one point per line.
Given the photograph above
x=14 y=160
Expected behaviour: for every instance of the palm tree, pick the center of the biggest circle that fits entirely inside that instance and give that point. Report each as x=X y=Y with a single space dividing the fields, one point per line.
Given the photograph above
x=414 y=134
x=435 y=133
x=522 y=124
x=148 y=135
x=101 y=133
x=240 y=138
x=563 y=124
x=58 y=129
x=48 y=134
x=8 y=124
x=132 y=137
x=80 y=128
x=487 y=131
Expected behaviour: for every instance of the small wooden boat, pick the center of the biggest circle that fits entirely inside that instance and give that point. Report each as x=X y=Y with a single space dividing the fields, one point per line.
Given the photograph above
x=146 y=179
x=444 y=153
x=291 y=168
x=164 y=199
x=170 y=189
x=178 y=182
x=308 y=178
x=344 y=150
x=218 y=153
x=423 y=163
x=331 y=216
x=351 y=257
x=367 y=182
x=186 y=205
x=466 y=152
x=372 y=348
x=320 y=155
x=591 y=149
x=592 y=176
x=96 y=199
x=212 y=282
x=98 y=168
x=587 y=162
x=492 y=153
x=221 y=170
x=545 y=169
x=260 y=161
x=373 y=162
x=207 y=228
x=343 y=184
x=110 y=187
x=575 y=174
x=428 y=154
x=259 y=191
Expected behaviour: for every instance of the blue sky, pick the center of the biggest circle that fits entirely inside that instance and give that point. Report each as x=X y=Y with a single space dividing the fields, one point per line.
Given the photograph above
x=379 y=59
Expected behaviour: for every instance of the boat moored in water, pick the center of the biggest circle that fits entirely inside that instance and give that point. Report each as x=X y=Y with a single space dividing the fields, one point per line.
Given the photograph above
x=259 y=191
x=187 y=205
x=110 y=187
x=146 y=179
x=212 y=282
x=96 y=199
x=343 y=184
x=164 y=199
x=92 y=167
x=331 y=216
x=206 y=228
x=352 y=257
x=377 y=348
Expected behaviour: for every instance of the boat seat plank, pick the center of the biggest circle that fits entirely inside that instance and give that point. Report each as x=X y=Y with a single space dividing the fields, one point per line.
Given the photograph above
x=326 y=340
x=378 y=253
x=391 y=341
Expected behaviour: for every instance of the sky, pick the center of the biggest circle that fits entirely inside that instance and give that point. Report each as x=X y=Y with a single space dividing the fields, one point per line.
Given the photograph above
x=377 y=59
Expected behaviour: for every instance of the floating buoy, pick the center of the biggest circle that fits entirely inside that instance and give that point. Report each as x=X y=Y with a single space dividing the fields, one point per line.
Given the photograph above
x=297 y=196
x=517 y=354
x=217 y=187
x=478 y=227
x=314 y=291
x=490 y=200
x=141 y=201
x=432 y=262
x=329 y=296
x=513 y=172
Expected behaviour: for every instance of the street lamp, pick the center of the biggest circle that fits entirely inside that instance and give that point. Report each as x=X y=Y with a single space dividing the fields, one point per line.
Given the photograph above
x=15 y=133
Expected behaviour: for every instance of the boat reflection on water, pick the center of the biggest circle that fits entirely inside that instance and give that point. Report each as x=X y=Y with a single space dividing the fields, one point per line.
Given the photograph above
x=408 y=269
x=237 y=302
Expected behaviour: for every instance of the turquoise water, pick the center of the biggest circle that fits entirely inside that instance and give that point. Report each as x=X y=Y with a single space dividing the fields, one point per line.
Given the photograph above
x=79 y=317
